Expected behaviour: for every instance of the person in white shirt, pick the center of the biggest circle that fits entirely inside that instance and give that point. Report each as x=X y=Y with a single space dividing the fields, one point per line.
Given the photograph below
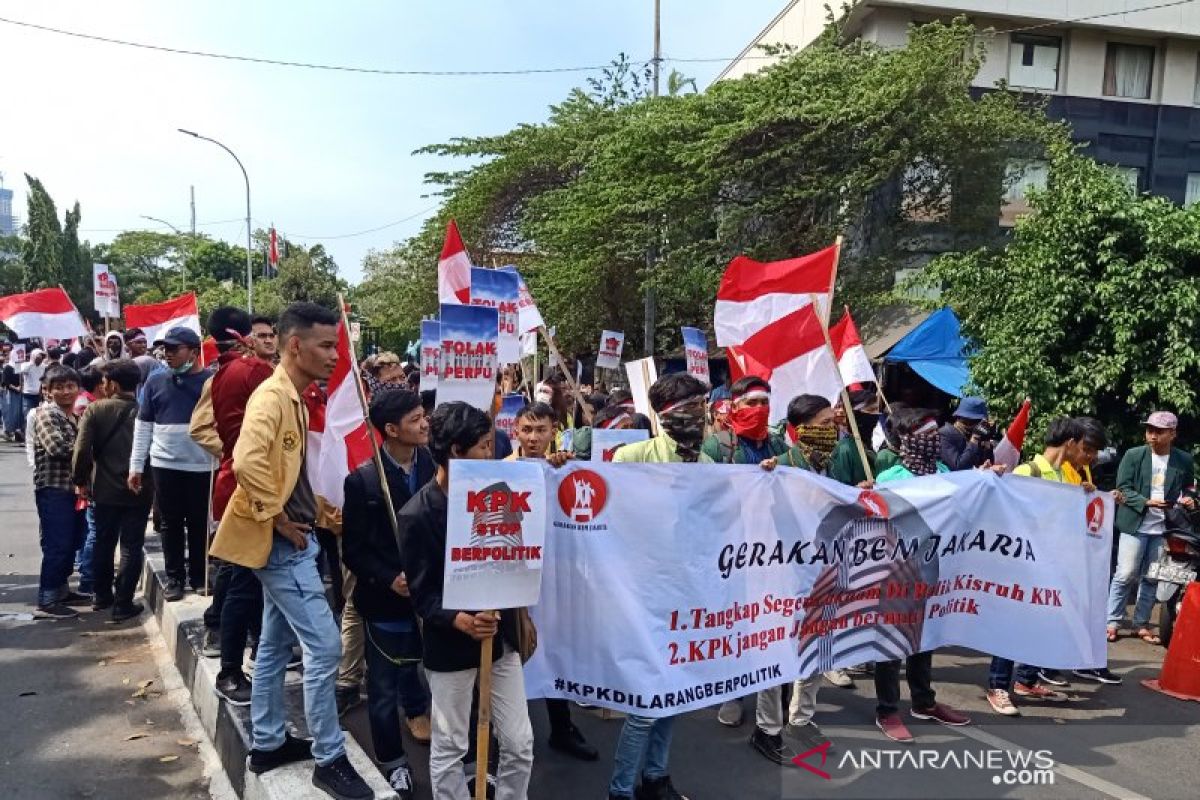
x=31 y=380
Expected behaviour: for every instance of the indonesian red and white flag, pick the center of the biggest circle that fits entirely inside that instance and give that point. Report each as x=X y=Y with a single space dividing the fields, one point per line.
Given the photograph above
x=766 y=316
x=273 y=253
x=1008 y=451
x=343 y=441
x=44 y=314
x=155 y=319
x=454 y=269
x=853 y=362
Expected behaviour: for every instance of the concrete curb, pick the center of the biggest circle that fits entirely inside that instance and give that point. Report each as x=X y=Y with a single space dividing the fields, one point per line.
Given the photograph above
x=228 y=727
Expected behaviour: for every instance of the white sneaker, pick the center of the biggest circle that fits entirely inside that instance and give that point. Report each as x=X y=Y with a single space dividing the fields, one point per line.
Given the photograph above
x=731 y=713
x=839 y=678
x=1001 y=703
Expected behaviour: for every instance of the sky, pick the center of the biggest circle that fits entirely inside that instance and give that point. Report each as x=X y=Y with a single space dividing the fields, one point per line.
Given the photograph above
x=329 y=154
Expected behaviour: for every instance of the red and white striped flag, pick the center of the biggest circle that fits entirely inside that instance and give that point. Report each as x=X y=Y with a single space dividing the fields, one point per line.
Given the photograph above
x=454 y=269
x=44 y=314
x=1008 y=451
x=342 y=437
x=765 y=314
x=155 y=319
x=853 y=362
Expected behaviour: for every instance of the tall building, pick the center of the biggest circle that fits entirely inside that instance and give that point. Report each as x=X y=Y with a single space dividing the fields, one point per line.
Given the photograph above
x=8 y=223
x=1126 y=77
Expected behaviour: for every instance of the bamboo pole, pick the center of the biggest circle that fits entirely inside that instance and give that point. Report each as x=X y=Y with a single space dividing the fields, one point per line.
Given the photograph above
x=862 y=451
x=587 y=417
x=483 y=726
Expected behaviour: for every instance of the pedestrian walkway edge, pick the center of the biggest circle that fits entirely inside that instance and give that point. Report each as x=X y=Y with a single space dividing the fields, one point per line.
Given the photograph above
x=227 y=727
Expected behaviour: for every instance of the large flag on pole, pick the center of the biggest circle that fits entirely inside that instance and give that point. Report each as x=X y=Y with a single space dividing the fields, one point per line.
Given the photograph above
x=454 y=269
x=44 y=314
x=853 y=362
x=273 y=255
x=345 y=438
x=767 y=314
x=1008 y=451
x=155 y=319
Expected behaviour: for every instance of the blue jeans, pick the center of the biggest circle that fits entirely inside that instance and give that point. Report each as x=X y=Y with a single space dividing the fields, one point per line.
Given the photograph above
x=13 y=423
x=1135 y=553
x=391 y=685
x=83 y=557
x=1000 y=674
x=63 y=530
x=643 y=739
x=294 y=607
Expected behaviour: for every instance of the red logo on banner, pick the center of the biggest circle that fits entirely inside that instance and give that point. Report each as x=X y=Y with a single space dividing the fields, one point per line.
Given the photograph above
x=874 y=503
x=610 y=344
x=1095 y=516
x=582 y=495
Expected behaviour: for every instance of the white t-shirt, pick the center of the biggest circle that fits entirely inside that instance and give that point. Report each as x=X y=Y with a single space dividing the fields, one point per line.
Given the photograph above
x=1154 y=523
x=31 y=377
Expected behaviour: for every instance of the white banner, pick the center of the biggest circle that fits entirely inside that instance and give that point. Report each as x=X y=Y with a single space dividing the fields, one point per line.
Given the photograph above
x=642 y=374
x=729 y=579
x=609 y=354
x=19 y=355
x=606 y=442
x=495 y=535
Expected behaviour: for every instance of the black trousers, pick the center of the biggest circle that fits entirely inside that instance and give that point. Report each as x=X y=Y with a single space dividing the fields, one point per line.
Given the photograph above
x=183 y=503
x=918 y=668
x=124 y=526
x=220 y=583
x=559 y=712
x=241 y=614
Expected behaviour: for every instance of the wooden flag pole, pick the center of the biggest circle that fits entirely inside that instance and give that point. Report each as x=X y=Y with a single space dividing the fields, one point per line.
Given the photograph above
x=362 y=402
x=587 y=417
x=646 y=382
x=483 y=726
x=862 y=451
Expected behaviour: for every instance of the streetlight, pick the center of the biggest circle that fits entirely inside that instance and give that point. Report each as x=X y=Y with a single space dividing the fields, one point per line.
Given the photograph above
x=179 y=233
x=249 y=263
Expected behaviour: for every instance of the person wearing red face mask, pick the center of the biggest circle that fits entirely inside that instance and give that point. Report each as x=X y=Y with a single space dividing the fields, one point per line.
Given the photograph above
x=749 y=439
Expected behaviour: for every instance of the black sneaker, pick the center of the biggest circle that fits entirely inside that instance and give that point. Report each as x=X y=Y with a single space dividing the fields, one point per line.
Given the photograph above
x=293 y=749
x=210 y=647
x=173 y=590
x=102 y=603
x=55 y=611
x=1052 y=677
x=347 y=697
x=402 y=783
x=341 y=780
x=657 y=789
x=573 y=744
x=770 y=746
x=1102 y=675
x=122 y=611
x=78 y=599
x=808 y=735
x=234 y=688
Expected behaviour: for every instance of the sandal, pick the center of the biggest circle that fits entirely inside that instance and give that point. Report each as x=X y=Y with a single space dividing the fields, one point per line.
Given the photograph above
x=1149 y=638
x=1112 y=634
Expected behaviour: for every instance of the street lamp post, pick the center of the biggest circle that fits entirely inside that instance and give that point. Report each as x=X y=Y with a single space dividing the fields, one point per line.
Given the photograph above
x=178 y=233
x=249 y=230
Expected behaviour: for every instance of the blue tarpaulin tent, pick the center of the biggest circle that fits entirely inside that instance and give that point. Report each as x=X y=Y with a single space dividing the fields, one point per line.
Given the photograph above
x=936 y=351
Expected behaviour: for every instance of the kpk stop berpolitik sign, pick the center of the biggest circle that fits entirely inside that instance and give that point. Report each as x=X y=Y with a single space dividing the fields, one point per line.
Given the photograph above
x=495 y=535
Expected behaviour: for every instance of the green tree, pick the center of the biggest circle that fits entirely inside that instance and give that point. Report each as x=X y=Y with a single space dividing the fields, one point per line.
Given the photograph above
x=147 y=264
x=1091 y=308
x=618 y=191
x=42 y=253
x=77 y=263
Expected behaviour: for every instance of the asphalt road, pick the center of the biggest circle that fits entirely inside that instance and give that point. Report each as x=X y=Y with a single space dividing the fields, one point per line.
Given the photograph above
x=70 y=726
x=67 y=719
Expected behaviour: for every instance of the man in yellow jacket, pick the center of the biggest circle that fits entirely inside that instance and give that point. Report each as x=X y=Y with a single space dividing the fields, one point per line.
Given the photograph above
x=268 y=526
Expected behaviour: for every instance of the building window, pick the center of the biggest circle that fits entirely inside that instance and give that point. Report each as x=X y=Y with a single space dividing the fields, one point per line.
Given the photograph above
x=1128 y=71
x=925 y=192
x=1033 y=61
x=1131 y=175
x=1019 y=178
x=1193 y=189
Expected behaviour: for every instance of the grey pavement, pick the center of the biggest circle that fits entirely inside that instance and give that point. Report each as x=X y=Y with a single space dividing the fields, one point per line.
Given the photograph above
x=70 y=726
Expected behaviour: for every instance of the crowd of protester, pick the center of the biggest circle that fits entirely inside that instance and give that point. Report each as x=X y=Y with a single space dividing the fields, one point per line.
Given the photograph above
x=127 y=430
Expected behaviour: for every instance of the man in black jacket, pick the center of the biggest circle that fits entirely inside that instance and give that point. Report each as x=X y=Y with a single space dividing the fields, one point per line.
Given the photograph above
x=452 y=638
x=965 y=443
x=381 y=594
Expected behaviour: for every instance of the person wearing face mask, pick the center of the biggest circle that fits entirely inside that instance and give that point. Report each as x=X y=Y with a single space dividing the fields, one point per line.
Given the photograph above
x=920 y=446
x=182 y=469
x=812 y=433
x=845 y=463
x=749 y=439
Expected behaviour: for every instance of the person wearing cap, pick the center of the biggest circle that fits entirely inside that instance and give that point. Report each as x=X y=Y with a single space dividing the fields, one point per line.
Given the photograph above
x=1152 y=479
x=182 y=469
x=964 y=440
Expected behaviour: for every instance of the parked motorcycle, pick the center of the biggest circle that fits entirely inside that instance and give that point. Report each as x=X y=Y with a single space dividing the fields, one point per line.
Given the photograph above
x=1177 y=566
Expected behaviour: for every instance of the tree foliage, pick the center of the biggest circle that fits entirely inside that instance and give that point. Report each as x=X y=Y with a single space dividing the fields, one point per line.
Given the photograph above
x=618 y=191
x=1091 y=308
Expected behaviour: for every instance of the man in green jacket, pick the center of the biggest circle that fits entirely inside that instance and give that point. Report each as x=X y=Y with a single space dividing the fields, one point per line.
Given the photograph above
x=845 y=463
x=750 y=440
x=1152 y=479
